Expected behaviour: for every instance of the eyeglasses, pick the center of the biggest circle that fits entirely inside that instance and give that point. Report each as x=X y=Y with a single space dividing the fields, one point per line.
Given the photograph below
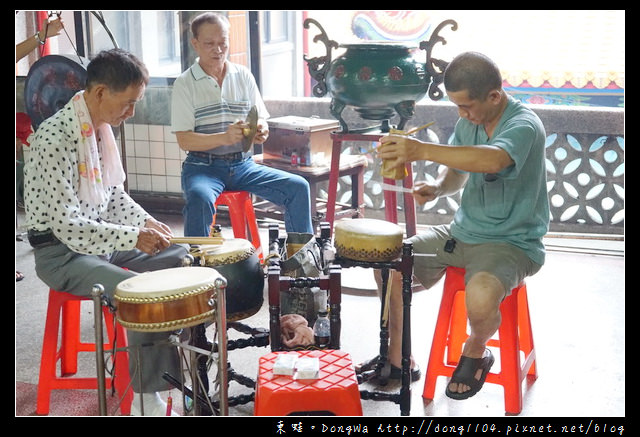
x=221 y=46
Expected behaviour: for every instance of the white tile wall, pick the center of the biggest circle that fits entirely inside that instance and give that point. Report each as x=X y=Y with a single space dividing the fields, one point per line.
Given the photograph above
x=153 y=158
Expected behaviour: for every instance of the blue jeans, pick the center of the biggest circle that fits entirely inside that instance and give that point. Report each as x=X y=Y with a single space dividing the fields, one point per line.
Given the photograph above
x=203 y=180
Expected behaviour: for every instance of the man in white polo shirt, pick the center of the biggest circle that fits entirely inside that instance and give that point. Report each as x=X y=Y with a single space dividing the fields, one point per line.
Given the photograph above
x=208 y=101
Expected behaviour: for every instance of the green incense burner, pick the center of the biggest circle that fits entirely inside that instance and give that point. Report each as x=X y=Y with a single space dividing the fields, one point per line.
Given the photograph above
x=377 y=79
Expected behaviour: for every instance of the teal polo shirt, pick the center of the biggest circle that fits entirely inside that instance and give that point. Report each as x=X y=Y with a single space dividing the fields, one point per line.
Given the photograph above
x=511 y=206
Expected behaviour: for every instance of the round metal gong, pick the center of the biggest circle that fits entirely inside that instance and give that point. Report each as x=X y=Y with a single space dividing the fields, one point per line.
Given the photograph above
x=50 y=84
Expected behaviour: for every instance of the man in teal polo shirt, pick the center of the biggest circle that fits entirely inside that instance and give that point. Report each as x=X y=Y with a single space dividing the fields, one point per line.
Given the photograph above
x=498 y=157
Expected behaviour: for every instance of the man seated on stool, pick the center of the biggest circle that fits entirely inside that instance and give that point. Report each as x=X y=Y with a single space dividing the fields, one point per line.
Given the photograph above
x=210 y=102
x=498 y=156
x=84 y=227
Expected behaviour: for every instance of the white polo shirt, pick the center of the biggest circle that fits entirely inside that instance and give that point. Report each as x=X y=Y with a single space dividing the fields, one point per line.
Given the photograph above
x=199 y=104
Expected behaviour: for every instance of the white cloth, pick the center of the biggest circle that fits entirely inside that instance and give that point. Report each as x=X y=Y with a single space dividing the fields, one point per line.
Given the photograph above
x=96 y=174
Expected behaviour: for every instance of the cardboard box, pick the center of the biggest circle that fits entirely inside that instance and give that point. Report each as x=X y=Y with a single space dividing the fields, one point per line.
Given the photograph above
x=306 y=138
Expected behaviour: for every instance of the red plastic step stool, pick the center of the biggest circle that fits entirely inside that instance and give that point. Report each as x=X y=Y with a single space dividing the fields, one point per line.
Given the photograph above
x=65 y=307
x=515 y=339
x=335 y=391
x=242 y=216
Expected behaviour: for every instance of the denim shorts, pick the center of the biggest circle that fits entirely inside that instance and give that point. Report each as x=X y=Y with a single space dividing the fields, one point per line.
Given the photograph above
x=508 y=263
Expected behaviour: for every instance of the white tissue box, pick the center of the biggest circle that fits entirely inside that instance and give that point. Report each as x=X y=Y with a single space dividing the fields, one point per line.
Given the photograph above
x=285 y=364
x=307 y=368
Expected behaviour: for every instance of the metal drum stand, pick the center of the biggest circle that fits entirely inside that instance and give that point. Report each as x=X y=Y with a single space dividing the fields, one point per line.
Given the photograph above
x=201 y=355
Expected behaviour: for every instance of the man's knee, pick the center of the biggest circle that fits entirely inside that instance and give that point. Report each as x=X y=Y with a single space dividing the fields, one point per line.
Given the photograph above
x=484 y=293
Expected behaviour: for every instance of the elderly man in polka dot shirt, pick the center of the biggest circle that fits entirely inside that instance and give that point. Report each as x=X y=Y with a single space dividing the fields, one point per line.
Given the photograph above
x=84 y=227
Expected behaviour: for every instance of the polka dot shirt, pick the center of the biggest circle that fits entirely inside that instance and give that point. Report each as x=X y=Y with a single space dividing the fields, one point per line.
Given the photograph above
x=50 y=192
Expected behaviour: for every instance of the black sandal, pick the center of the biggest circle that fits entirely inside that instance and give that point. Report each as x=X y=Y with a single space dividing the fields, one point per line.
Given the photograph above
x=387 y=370
x=396 y=373
x=465 y=373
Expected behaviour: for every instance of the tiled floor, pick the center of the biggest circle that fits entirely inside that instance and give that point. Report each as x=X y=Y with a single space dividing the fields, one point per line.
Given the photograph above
x=577 y=303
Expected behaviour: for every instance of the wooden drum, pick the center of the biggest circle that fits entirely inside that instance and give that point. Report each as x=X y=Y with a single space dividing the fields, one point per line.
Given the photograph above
x=168 y=300
x=368 y=240
x=237 y=260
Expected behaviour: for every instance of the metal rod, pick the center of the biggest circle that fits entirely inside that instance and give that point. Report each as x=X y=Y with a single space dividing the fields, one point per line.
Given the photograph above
x=221 y=314
x=96 y=293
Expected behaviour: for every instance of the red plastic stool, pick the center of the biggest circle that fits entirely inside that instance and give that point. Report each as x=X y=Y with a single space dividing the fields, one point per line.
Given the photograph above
x=335 y=391
x=514 y=338
x=242 y=216
x=65 y=307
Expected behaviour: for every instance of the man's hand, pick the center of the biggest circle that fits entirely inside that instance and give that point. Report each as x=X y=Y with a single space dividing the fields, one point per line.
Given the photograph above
x=154 y=237
x=397 y=149
x=424 y=192
x=235 y=132
x=151 y=241
x=262 y=133
x=158 y=226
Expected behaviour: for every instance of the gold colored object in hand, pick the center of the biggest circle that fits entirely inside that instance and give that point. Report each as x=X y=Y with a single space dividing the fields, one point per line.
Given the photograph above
x=389 y=172
x=396 y=173
x=249 y=133
x=399 y=173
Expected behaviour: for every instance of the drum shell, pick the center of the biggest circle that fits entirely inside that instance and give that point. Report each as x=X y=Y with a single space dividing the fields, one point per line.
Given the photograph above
x=245 y=282
x=140 y=309
x=164 y=316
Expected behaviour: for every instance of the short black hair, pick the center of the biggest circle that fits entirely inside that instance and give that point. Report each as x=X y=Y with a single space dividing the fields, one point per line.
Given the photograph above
x=117 y=69
x=474 y=72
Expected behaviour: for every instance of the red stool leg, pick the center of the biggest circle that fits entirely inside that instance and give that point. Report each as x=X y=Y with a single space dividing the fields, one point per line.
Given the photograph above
x=435 y=366
x=457 y=333
x=509 y=376
x=49 y=354
x=458 y=328
x=242 y=216
x=526 y=333
x=70 y=341
x=515 y=341
x=66 y=307
x=252 y=224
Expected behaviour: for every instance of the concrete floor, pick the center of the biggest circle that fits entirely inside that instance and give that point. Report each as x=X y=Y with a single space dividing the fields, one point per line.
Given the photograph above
x=577 y=304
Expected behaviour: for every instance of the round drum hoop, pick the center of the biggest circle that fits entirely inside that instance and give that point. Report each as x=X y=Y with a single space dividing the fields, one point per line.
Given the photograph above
x=166 y=300
x=231 y=251
x=369 y=240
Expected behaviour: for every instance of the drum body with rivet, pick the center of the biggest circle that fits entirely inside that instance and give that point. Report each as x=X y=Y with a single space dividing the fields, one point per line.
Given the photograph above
x=368 y=240
x=167 y=300
x=237 y=260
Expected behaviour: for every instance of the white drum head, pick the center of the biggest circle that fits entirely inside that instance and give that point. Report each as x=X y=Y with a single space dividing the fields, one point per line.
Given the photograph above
x=163 y=283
